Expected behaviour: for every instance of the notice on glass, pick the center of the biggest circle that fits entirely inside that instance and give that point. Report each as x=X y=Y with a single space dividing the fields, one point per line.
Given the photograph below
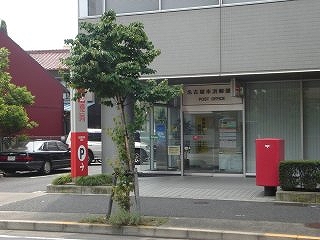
x=228 y=138
x=174 y=150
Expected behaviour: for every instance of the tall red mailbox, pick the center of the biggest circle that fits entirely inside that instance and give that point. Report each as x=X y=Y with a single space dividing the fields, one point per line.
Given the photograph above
x=269 y=153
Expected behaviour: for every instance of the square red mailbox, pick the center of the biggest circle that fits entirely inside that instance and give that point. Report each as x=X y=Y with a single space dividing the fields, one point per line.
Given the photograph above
x=269 y=153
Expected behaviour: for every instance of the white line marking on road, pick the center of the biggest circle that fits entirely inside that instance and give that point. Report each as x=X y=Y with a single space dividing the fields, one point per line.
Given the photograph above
x=45 y=238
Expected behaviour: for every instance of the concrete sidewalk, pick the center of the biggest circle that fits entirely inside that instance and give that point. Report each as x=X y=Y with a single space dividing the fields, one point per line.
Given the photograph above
x=193 y=187
x=217 y=187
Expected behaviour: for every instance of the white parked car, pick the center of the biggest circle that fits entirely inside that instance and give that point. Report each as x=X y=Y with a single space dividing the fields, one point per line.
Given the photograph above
x=142 y=150
x=94 y=145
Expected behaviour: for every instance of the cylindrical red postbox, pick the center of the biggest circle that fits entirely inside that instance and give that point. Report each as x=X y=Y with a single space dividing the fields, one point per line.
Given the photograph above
x=269 y=153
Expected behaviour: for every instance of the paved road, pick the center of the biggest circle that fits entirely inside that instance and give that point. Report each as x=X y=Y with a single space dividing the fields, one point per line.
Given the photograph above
x=38 y=235
x=174 y=207
x=234 y=198
x=27 y=182
x=223 y=202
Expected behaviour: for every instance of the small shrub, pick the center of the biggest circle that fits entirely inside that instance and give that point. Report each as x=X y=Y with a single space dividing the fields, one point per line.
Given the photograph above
x=299 y=175
x=309 y=175
x=62 y=179
x=94 y=180
x=153 y=221
x=95 y=220
x=145 y=221
x=318 y=177
x=288 y=176
x=123 y=217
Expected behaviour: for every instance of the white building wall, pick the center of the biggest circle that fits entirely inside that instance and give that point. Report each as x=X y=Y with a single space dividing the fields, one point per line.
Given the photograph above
x=248 y=38
x=189 y=40
x=277 y=36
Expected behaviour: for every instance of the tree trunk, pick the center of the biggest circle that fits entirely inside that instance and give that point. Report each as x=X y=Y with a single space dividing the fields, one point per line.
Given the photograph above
x=127 y=112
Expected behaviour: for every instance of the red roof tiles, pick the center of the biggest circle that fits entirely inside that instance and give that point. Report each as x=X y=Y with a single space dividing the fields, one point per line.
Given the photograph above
x=50 y=59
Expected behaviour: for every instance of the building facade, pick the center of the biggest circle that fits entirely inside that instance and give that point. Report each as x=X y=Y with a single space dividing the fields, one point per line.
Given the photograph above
x=47 y=109
x=51 y=60
x=250 y=69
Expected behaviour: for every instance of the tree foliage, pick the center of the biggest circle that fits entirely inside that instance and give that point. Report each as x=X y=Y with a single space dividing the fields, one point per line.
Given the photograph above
x=3 y=27
x=108 y=59
x=13 y=100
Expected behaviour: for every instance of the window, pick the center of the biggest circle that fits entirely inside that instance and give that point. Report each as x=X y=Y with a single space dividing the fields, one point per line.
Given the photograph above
x=247 y=1
x=311 y=119
x=273 y=111
x=62 y=146
x=44 y=147
x=94 y=137
x=235 y=1
x=95 y=7
x=52 y=146
x=129 y=6
x=90 y=7
x=174 y=4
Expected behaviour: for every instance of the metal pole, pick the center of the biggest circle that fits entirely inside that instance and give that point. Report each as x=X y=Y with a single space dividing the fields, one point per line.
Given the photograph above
x=110 y=203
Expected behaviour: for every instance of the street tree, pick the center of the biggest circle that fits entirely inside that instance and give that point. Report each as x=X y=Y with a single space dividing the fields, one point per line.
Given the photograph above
x=13 y=100
x=109 y=58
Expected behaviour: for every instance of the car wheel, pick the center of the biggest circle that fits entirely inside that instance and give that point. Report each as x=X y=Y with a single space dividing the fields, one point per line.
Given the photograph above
x=91 y=158
x=46 y=168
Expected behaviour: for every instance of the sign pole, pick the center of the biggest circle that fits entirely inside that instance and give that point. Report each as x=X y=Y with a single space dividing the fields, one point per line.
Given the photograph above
x=79 y=136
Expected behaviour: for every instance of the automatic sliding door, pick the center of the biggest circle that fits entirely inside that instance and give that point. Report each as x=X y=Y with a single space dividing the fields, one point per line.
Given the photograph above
x=214 y=141
x=199 y=138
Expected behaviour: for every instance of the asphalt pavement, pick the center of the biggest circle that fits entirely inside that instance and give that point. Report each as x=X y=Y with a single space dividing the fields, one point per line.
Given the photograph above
x=198 y=207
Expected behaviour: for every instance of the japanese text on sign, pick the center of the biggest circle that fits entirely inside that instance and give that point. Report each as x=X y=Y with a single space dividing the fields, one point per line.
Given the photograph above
x=209 y=94
x=82 y=109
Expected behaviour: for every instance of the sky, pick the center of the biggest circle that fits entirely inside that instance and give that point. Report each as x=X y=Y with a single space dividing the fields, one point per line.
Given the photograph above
x=40 y=24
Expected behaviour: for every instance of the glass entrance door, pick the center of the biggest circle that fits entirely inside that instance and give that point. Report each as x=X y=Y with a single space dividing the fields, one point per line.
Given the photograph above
x=213 y=142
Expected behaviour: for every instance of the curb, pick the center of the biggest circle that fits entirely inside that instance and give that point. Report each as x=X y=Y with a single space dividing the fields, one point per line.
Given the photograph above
x=70 y=188
x=144 y=231
x=301 y=197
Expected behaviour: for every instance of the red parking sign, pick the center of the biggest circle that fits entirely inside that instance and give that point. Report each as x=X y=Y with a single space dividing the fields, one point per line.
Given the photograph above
x=79 y=135
x=79 y=154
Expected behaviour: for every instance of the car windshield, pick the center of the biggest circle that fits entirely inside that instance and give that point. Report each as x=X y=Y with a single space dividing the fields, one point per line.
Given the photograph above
x=94 y=136
x=30 y=146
